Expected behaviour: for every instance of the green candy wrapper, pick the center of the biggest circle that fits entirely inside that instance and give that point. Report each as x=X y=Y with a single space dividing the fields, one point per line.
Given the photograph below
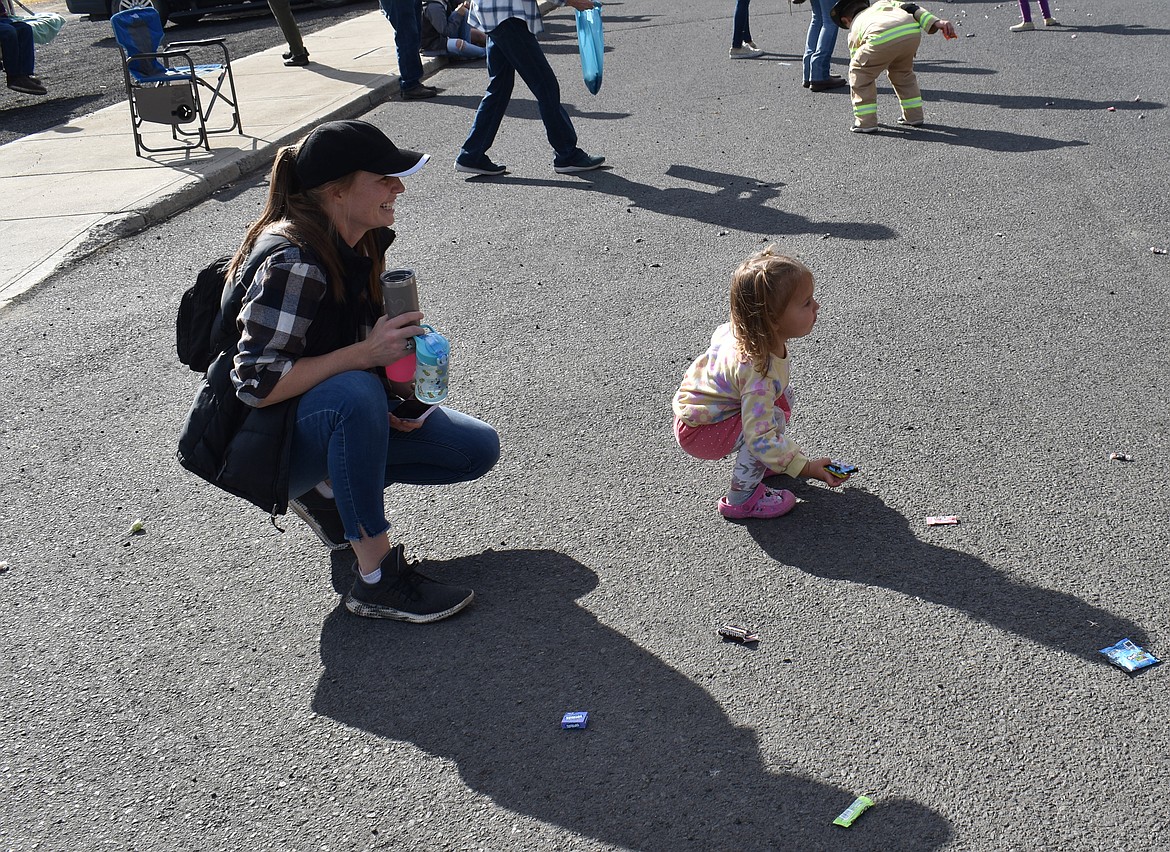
x=852 y=812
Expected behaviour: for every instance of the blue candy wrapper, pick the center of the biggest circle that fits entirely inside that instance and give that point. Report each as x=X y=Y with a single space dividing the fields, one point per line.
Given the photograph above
x=575 y=720
x=1126 y=655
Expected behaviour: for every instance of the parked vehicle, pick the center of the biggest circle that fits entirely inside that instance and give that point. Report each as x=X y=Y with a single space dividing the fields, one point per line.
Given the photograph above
x=181 y=10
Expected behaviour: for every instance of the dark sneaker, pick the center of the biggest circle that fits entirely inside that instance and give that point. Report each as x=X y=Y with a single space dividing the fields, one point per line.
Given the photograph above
x=481 y=166
x=404 y=594
x=808 y=83
x=580 y=163
x=834 y=82
x=296 y=60
x=419 y=92
x=321 y=514
x=28 y=85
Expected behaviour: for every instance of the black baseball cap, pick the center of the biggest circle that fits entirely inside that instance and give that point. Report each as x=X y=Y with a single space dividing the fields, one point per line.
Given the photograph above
x=338 y=148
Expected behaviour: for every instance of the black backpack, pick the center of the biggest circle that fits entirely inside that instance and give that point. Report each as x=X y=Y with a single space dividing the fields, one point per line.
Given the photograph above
x=206 y=322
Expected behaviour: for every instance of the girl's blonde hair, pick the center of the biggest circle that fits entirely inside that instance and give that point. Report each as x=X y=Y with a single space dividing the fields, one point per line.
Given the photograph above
x=761 y=289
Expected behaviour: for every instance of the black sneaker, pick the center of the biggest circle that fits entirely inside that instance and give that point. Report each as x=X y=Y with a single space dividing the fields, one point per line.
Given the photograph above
x=419 y=92
x=582 y=162
x=321 y=514
x=404 y=594
x=482 y=166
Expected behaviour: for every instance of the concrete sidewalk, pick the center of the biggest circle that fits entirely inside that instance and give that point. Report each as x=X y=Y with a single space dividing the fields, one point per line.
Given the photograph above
x=70 y=190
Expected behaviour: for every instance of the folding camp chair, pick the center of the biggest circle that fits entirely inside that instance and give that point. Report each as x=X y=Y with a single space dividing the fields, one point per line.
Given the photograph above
x=163 y=83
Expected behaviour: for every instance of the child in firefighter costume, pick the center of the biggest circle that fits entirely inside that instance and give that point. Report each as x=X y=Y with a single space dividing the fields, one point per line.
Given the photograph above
x=885 y=37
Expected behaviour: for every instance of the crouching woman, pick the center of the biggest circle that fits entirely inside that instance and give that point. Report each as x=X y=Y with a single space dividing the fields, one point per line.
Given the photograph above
x=299 y=412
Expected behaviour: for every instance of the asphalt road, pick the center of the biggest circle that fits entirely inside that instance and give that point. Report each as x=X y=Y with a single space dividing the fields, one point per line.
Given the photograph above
x=992 y=327
x=82 y=67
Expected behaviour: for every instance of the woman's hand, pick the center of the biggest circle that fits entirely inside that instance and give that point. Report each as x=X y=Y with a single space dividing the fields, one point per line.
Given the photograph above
x=815 y=469
x=386 y=342
x=400 y=425
x=581 y=5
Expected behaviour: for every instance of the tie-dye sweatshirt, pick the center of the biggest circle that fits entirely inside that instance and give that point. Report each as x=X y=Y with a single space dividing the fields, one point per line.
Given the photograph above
x=720 y=384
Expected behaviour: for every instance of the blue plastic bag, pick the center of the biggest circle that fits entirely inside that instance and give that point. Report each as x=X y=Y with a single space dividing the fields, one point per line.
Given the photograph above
x=591 y=40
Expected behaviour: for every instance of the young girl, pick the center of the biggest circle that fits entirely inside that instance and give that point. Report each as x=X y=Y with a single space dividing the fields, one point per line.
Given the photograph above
x=736 y=396
x=1026 y=13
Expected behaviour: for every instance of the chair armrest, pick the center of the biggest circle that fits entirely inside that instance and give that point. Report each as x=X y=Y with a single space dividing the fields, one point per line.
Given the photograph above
x=205 y=42
x=164 y=55
x=199 y=43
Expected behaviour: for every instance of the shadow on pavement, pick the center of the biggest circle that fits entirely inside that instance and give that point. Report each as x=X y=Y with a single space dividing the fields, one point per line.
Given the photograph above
x=972 y=137
x=1037 y=102
x=854 y=536
x=734 y=202
x=1119 y=29
x=949 y=66
x=660 y=767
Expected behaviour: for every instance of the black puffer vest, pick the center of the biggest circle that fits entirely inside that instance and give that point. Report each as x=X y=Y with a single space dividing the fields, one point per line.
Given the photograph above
x=245 y=450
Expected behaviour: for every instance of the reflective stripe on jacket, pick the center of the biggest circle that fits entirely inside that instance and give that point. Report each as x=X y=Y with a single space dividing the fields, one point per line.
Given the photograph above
x=886 y=21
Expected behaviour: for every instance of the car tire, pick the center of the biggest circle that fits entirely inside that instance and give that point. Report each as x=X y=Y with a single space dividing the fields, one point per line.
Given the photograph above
x=161 y=6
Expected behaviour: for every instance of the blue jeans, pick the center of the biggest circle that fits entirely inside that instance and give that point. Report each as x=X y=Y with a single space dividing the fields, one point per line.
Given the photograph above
x=513 y=49
x=822 y=38
x=740 y=30
x=16 y=47
x=406 y=18
x=342 y=434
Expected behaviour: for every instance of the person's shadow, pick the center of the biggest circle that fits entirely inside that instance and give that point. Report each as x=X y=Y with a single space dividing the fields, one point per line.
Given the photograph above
x=660 y=766
x=717 y=198
x=852 y=535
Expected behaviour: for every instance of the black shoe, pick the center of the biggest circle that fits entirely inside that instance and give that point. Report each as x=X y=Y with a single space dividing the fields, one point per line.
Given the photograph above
x=808 y=83
x=28 y=85
x=834 y=82
x=404 y=594
x=419 y=92
x=321 y=514
x=482 y=166
x=296 y=60
x=582 y=162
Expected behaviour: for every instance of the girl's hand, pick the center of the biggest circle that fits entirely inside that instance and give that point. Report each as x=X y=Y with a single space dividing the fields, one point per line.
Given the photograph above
x=386 y=342
x=815 y=469
x=580 y=5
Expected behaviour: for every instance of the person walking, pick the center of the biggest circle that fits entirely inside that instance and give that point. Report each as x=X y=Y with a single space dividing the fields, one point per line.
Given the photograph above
x=742 y=46
x=297 y=55
x=512 y=27
x=1026 y=24
x=406 y=18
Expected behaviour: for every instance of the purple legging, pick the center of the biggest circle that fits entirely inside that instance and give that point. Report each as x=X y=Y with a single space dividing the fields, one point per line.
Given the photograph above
x=1026 y=9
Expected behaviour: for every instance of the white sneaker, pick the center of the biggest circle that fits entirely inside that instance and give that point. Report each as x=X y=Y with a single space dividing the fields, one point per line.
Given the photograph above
x=1022 y=27
x=752 y=44
x=744 y=52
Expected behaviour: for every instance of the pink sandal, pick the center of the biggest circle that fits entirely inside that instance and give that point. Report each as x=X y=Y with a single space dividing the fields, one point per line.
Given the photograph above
x=764 y=503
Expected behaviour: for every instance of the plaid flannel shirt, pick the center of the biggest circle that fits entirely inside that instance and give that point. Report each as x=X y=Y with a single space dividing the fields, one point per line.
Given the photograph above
x=278 y=308
x=492 y=13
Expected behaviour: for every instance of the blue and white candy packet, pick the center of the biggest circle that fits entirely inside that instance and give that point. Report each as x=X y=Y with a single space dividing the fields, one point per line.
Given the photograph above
x=1126 y=655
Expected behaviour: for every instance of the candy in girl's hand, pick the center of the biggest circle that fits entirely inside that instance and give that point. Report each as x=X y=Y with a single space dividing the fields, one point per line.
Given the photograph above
x=841 y=470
